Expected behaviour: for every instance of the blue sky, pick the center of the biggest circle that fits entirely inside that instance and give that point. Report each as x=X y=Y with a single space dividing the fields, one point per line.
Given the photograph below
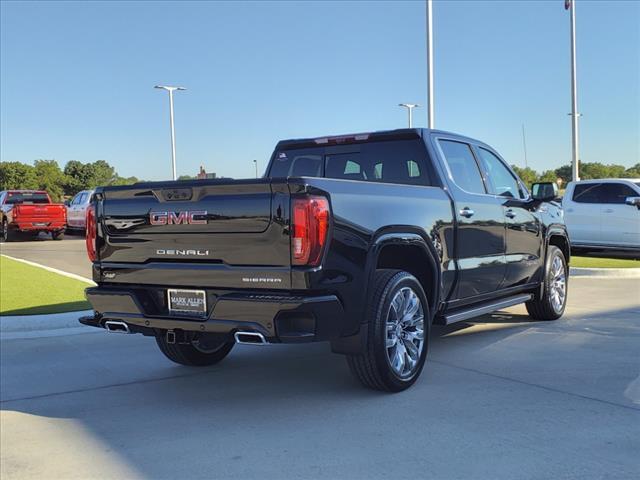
x=76 y=79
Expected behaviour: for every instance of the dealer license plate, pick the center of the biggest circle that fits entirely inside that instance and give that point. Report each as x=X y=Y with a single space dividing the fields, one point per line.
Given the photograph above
x=187 y=302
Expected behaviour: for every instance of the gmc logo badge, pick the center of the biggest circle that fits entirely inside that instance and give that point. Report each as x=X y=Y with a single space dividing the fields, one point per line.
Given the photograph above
x=193 y=217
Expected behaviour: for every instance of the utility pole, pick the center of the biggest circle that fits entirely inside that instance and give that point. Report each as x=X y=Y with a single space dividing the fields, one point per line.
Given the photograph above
x=430 y=106
x=575 y=157
x=524 y=146
x=256 y=164
x=173 y=132
x=409 y=107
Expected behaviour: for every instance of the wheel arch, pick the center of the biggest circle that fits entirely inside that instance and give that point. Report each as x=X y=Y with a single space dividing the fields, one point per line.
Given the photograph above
x=408 y=250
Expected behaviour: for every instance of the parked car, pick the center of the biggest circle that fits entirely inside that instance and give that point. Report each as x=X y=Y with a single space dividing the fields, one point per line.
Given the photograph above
x=603 y=214
x=29 y=212
x=360 y=240
x=77 y=210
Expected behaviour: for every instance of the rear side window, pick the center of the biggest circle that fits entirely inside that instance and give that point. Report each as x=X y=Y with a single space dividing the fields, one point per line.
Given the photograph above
x=588 y=193
x=616 y=193
x=463 y=166
x=396 y=161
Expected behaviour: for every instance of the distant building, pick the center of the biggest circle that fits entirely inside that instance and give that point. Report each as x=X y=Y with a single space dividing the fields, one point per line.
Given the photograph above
x=203 y=175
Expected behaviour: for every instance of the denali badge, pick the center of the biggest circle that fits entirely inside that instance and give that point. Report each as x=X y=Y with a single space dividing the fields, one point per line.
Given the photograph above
x=182 y=253
x=261 y=280
x=192 y=217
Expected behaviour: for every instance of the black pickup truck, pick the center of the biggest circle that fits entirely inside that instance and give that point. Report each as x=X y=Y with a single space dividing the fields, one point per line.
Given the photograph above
x=361 y=240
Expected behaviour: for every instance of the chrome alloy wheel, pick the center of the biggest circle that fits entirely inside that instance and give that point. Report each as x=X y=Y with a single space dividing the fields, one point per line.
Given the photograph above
x=558 y=284
x=405 y=332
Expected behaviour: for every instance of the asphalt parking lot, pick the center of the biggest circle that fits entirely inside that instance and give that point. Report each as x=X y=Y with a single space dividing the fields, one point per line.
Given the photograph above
x=501 y=397
x=68 y=254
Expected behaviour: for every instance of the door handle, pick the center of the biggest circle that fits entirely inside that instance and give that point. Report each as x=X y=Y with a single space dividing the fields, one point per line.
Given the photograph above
x=467 y=212
x=510 y=214
x=608 y=210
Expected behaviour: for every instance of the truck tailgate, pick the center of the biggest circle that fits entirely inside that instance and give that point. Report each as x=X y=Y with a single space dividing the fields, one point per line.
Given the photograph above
x=229 y=234
x=40 y=213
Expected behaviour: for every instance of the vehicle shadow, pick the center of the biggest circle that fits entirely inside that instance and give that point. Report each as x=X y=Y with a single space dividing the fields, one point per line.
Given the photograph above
x=241 y=409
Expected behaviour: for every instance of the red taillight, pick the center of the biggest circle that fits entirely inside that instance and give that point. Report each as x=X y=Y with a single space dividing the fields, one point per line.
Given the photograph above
x=91 y=233
x=310 y=226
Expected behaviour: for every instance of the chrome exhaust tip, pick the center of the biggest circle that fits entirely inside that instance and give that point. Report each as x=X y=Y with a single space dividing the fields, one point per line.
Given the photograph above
x=116 y=326
x=250 y=338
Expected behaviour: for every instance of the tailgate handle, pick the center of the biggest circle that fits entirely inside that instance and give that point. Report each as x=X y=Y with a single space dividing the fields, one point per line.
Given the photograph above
x=177 y=194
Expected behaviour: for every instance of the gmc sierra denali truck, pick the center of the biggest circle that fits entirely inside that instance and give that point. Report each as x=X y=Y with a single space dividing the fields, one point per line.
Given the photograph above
x=361 y=240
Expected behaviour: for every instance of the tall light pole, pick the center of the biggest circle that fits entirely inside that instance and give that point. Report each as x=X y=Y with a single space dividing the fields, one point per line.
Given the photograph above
x=173 y=132
x=409 y=107
x=575 y=156
x=256 y=164
x=430 y=107
x=524 y=146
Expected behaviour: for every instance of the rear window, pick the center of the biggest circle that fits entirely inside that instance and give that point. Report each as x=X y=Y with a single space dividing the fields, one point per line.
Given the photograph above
x=16 y=198
x=588 y=193
x=398 y=161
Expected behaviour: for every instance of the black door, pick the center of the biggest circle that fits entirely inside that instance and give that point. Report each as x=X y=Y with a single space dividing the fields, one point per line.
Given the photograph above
x=523 y=252
x=480 y=236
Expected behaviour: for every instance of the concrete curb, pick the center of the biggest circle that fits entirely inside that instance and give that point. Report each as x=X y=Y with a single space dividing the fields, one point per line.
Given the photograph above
x=605 y=272
x=34 y=323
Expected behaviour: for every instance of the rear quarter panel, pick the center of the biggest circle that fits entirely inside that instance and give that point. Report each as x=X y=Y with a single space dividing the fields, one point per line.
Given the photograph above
x=361 y=213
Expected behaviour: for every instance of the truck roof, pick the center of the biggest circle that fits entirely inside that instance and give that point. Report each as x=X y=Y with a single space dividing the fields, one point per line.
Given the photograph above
x=381 y=135
x=600 y=180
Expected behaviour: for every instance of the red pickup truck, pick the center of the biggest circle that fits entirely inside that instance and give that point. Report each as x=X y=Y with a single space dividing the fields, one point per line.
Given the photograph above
x=30 y=212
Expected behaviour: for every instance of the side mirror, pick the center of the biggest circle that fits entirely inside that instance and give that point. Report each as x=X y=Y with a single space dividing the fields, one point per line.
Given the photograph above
x=67 y=202
x=544 y=191
x=633 y=201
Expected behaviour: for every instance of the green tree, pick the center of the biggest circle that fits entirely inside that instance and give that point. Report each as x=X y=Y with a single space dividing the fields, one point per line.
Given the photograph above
x=548 y=176
x=564 y=172
x=17 y=175
x=124 y=180
x=50 y=178
x=528 y=175
x=632 y=172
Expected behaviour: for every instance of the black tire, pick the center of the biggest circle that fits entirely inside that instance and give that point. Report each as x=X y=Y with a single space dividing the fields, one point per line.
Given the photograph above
x=542 y=307
x=58 y=235
x=6 y=235
x=190 y=354
x=373 y=367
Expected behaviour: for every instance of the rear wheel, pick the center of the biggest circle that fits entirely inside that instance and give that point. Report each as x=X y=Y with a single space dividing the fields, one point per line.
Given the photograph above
x=200 y=352
x=398 y=333
x=553 y=301
x=58 y=235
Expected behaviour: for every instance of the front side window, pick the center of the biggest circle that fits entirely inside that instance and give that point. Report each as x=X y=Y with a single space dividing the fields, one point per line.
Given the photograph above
x=616 y=193
x=463 y=166
x=588 y=193
x=501 y=181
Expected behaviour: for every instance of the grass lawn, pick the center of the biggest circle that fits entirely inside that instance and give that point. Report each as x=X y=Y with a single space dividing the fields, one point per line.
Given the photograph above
x=595 y=262
x=28 y=290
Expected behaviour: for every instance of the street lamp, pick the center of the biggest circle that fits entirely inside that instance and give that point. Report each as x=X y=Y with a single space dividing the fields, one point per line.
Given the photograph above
x=256 y=164
x=409 y=107
x=173 y=132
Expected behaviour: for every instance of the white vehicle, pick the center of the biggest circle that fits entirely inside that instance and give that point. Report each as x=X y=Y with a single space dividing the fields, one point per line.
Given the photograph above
x=603 y=213
x=77 y=210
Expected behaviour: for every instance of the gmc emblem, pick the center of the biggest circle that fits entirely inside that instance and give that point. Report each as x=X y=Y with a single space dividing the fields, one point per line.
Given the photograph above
x=179 y=218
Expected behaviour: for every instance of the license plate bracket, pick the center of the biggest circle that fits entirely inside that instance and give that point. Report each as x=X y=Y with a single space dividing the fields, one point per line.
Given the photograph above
x=186 y=302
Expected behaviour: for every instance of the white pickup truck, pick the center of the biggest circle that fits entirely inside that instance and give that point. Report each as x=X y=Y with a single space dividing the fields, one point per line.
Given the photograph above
x=603 y=214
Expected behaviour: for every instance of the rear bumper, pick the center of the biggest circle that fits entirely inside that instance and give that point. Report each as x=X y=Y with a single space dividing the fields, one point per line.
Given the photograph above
x=38 y=225
x=280 y=318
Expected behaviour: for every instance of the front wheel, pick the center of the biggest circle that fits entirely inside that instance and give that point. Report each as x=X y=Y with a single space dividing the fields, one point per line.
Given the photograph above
x=398 y=333
x=553 y=301
x=199 y=352
x=58 y=235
